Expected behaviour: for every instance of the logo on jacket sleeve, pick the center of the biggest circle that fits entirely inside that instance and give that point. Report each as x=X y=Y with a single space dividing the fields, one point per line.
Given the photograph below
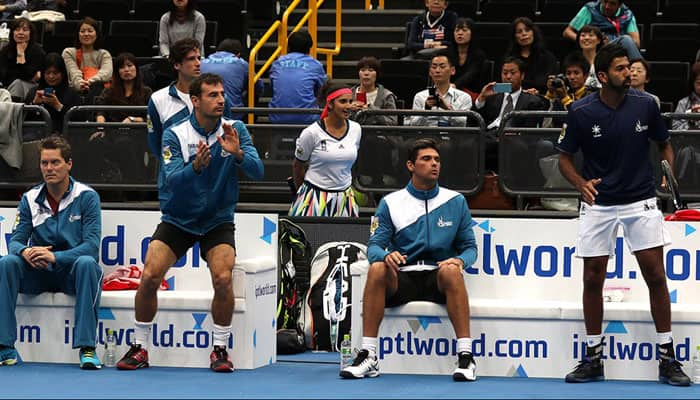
x=73 y=218
x=373 y=225
x=167 y=155
x=638 y=127
x=443 y=224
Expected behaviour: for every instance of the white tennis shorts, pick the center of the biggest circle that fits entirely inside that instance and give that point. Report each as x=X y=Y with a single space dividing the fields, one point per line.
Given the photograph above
x=642 y=224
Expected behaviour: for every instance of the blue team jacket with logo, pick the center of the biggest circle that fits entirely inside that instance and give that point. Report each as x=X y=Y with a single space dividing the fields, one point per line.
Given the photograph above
x=426 y=226
x=73 y=232
x=196 y=203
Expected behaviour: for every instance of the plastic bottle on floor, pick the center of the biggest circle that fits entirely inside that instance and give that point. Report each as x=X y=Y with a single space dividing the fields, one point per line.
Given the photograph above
x=696 y=365
x=345 y=352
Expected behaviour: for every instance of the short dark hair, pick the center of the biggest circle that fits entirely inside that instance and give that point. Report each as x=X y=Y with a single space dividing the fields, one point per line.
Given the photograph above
x=576 y=59
x=179 y=49
x=514 y=60
x=56 y=142
x=299 y=42
x=420 y=144
x=446 y=54
x=369 y=62
x=606 y=55
x=645 y=64
x=95 y=24
x=209 y=79
x=694 y=73
x=591 y=29
x=233 y=46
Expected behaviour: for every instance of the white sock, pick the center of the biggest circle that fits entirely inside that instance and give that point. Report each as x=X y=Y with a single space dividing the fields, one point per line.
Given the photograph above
x=593 y=340
x=464 y=344
x=221 y=335
x=664 y=337
x=142 y=331
x=370 y=344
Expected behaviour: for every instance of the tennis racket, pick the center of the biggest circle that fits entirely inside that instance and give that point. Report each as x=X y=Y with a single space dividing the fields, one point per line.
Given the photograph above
x=672 y=185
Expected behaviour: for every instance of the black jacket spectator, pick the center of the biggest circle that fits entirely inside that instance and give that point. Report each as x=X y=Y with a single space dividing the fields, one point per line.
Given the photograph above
x=527 y=44
x=54 y=76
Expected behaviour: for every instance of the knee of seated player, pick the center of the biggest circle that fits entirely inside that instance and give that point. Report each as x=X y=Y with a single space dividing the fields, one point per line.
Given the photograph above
x=11 y=265
x=378 y=272
x=151 y=279
x=450 y=277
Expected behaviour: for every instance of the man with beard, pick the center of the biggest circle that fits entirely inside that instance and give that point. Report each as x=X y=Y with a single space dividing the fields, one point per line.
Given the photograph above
x=613 y=129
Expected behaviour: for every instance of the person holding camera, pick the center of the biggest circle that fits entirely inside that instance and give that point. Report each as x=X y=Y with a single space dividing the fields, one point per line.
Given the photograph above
x=440 y=96
x=564 y=89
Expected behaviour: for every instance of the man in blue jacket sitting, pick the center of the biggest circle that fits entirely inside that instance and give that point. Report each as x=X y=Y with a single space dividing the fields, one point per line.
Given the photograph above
x=420 y=242
x=54 y=248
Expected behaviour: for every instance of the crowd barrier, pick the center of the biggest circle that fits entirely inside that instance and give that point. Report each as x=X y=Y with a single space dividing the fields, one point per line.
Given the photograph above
x=28 y=174
x=182 y=332
x=525 y=302
x=120 y=160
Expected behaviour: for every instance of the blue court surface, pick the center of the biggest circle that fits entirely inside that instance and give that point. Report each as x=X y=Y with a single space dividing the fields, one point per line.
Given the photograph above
x=302 y=376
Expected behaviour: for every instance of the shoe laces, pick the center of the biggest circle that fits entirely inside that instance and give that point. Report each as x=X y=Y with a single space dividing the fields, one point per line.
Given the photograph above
x=361 y=357
x=87 y=352
x=672 y=365
x=586 y=362
x=465 y=359
x=221 y=353
x=133 y=350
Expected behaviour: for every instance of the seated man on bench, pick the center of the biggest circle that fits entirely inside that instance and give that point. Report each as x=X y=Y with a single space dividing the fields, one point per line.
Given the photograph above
x=420 y=241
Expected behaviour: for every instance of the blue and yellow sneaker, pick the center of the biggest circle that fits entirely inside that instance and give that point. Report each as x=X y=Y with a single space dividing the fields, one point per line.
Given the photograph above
x=8 y=356
x=88 y=358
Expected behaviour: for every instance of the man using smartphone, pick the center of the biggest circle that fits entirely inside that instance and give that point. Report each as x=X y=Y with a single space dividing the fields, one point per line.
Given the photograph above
x=494 y=104
x=440 y=96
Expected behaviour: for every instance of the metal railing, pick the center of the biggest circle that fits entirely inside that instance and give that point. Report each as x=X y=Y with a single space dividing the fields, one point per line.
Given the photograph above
x=521 y=150
x=281 y=28
x=111 y=155
x=29 y=173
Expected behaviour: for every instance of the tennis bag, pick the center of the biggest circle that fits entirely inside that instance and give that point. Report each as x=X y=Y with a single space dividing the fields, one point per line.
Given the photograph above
x=294 y=267
x=327 y=313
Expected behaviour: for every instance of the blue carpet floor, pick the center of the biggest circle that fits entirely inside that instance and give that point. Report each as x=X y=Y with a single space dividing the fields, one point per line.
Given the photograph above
x=301 y=376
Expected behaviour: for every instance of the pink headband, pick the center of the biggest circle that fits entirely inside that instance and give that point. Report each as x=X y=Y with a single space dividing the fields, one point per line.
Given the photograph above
x=332 y=96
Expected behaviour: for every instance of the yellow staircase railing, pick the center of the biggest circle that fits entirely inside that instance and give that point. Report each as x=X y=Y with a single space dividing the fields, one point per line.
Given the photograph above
x=281 y=28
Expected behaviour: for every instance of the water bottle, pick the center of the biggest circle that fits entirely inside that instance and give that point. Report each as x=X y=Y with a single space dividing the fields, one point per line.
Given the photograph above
x=345 y=352
x=110 y=349
x=696 y=365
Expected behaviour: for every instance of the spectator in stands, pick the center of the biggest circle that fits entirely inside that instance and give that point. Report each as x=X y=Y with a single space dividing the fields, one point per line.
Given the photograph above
x=21 y=60
x=590 y=39
x=126 y=89
x=202 y=157
x=61 y=6
x=325 y=153
x=614 y=130
x=370 y=95
x=182 y=21
x=614 y=19
x=229 y=65
x=564 y=90
x=690 y=103
x=89 y=66
x=49 y=252
x=640 y=75
x=121 y=148
x=407 y=266
x=296 y=79
x=440 y=96
x=10 y=8
x=432 y=31
x=53 y=92
x=527 y=44
x=493 y=106
x=470 y=69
